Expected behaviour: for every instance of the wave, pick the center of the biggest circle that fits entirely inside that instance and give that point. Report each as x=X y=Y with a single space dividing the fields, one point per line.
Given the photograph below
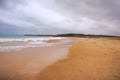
x=27 y=39
x=7 y=44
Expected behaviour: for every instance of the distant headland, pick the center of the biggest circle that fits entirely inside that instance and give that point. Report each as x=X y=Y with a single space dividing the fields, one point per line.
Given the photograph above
x=72 y=35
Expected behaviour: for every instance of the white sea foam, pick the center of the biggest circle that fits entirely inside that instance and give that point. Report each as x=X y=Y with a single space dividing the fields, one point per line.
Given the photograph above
x=27 y=39
x=7 y=44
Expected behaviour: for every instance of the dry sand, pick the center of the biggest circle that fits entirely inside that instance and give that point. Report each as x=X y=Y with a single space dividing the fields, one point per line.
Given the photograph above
x=89 y=59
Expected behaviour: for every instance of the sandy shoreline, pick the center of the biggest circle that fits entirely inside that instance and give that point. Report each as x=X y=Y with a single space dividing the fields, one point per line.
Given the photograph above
x=88 y=59
x=27 y=63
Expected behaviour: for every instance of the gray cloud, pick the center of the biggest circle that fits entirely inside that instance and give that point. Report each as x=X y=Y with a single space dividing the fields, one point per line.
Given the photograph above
x=60 y=16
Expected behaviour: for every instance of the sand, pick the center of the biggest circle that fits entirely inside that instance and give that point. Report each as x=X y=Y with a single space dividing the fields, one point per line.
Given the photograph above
x=52 y=41
x=88 y=59
x=27 y=63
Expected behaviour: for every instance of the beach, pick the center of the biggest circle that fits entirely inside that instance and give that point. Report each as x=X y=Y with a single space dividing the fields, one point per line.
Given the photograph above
x=69 y=59
x=88 y=59
x=27 y=63
x=59 y=40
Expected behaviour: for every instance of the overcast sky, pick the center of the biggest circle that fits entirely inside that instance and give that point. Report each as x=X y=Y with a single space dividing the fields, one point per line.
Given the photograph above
x=60 y=16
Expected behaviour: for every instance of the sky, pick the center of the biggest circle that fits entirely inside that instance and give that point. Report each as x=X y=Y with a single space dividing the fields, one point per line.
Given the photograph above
x=100 y=17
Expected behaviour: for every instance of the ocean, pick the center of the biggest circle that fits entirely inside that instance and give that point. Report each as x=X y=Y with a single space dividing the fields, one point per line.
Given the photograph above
x=8 y=43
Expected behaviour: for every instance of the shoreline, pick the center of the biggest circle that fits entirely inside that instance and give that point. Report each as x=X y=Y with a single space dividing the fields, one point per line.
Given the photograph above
x=18 y=43
x=81 y=59
x=27 y=63
x=88 y=59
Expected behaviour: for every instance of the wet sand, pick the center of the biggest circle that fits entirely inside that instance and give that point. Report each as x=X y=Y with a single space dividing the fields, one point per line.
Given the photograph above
x=52 y=41
x=88 y=59
x=27 y=63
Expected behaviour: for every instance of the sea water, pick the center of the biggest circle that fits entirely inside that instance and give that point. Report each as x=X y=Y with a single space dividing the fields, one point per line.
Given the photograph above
x=19 y=42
